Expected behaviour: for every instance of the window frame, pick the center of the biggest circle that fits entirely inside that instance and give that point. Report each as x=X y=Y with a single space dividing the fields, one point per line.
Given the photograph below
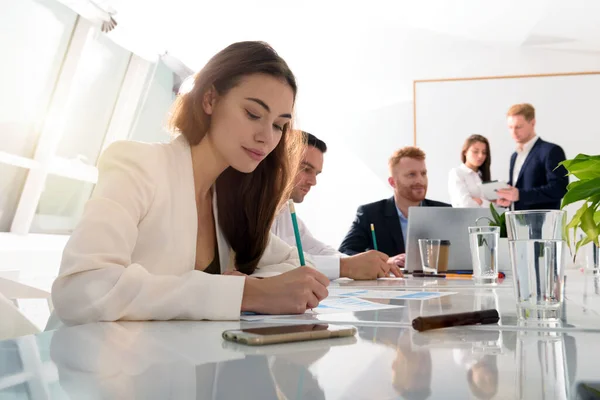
x=138 y=77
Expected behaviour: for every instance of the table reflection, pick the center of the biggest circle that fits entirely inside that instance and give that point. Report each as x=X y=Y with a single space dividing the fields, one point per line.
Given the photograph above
x=126 y=361
x=411 y=366
x=546 y=365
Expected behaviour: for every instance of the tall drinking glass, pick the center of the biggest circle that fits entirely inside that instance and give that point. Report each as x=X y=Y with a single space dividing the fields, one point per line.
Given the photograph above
x=538 y=254
x=483 y=241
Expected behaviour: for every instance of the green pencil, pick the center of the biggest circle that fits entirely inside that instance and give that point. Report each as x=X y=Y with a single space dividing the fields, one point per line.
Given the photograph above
x=373 y=236
x=296 y=232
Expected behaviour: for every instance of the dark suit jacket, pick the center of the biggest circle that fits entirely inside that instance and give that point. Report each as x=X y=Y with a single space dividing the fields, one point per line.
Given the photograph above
x=384 y=216
x=541 y=186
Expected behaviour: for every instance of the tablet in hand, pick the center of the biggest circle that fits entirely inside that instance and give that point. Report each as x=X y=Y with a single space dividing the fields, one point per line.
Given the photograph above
x=489 y=189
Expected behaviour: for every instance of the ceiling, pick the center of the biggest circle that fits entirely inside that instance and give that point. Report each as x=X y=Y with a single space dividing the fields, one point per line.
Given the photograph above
x=367 y=54
x=194 y=30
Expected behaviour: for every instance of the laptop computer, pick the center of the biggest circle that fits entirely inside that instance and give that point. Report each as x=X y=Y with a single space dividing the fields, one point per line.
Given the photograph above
x=442 y=223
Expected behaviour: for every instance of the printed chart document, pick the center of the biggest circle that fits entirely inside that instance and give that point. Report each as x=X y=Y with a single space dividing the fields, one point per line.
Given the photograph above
x=330 y=305
x=387 y=294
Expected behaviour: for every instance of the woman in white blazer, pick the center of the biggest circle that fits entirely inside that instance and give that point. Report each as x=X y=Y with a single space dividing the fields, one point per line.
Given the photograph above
x=464 y=181
x=173 y=231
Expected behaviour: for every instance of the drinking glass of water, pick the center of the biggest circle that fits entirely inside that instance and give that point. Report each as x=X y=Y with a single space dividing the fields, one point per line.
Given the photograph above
x=538 y=252
x=483 y=241
x=430 y=254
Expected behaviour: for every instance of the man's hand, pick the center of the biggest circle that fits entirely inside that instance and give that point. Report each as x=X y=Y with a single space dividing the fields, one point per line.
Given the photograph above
x=503 y=202
x=477 y=200
x=369 y=265
x=399 y=260
x=510 y=194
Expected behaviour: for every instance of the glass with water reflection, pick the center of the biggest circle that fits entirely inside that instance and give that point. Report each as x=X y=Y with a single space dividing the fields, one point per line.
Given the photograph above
x=430 y=255
x=484 y=253
x=538 y=252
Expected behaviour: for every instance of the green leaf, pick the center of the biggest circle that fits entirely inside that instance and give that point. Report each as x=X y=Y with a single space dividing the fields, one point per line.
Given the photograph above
x=495 y=214
x=576 y=220
x=566 y=235
x=589 y=226
x=580 y=244
x=574 y=184
x=579 y=157
x=499 y=220
x=583 y=190
x=587 y=170
x=584 y=167
x=574 y=224
x=595 y=200
x=503 y=229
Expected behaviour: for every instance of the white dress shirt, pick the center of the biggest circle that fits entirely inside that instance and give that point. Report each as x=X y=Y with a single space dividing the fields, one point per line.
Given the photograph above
x=133 y=254
x=522 y=154
x=325 y=257
x=463 y=185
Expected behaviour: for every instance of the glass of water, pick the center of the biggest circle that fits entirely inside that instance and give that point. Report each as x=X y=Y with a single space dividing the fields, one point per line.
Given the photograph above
x=430 y=254
x=538 y=252
x=484 y=253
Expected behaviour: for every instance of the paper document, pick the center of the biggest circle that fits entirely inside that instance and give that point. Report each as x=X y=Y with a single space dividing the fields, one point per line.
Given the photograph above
x=387 y=294
x=330 y=305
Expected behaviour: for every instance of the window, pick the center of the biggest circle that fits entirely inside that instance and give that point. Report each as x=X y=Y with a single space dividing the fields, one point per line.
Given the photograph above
x=68 y=92
x=61 y=205
x=153 y=114
x=34 y=40
x=92 y=99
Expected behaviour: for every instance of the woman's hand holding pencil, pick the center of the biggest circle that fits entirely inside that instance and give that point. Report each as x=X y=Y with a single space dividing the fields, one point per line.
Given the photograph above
x=293 y=292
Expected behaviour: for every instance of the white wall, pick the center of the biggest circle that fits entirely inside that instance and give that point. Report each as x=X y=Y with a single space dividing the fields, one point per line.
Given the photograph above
x=366 y=119
x=566 y=114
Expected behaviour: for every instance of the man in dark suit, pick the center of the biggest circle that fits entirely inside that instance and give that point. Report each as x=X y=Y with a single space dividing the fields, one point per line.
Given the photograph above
x=536 y=183
x=408 y=178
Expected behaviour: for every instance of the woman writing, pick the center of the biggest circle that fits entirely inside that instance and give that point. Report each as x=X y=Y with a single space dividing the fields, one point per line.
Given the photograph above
x=165 y=220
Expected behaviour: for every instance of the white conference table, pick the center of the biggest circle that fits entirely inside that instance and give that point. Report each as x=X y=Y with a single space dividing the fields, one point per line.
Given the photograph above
x=189 y=360
x=581 y=309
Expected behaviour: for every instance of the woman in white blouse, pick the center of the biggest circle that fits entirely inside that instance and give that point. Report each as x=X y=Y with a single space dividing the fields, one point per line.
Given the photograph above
x=464 y=182
x=155 y=241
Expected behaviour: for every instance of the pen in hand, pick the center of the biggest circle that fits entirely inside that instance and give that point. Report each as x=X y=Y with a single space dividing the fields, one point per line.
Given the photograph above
x=374 y=237
x=296 y=232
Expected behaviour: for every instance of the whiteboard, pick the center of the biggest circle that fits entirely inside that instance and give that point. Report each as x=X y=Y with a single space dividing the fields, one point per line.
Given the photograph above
x=447 y=112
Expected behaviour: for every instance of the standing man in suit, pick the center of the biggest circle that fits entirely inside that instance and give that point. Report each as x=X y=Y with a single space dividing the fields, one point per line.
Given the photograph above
x=367 y=265
x=408 y=178
x=536 y=183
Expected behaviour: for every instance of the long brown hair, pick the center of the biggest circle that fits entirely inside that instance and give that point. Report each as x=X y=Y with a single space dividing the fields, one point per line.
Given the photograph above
x=247 y=203
x=486 y=176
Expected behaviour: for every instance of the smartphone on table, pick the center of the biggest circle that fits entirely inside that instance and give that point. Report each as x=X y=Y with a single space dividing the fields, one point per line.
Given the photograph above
x=288 y=333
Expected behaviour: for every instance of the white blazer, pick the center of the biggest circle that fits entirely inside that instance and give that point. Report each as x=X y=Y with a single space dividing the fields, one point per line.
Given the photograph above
x=325 y=257
x=463 y=185
x=133 y=254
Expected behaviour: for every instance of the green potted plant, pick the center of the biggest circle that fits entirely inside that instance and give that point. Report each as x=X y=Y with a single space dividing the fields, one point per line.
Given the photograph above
x=499 y=221
x=587 y=189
